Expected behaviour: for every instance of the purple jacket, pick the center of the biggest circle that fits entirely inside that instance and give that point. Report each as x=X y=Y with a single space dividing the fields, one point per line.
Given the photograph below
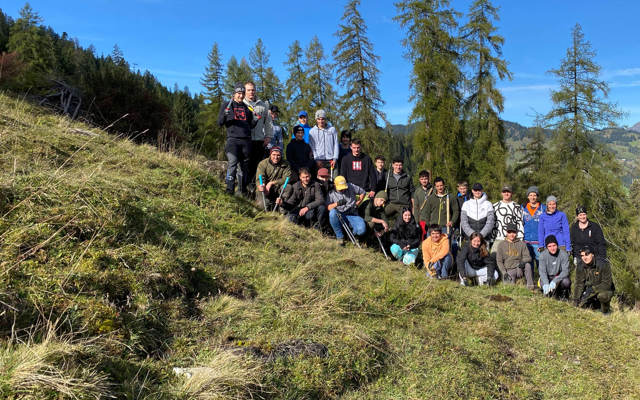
x=554 y=224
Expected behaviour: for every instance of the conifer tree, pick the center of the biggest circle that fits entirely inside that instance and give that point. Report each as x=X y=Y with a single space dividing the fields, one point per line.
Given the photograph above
x=213 y=77
x=236 y=72
x=296 y=82
x=210 y=137
x=117 y=56
x=356 y=71
x=435 y=81
x=33 y=45
x=5 y=26
x=483 y=51
x=318 y=86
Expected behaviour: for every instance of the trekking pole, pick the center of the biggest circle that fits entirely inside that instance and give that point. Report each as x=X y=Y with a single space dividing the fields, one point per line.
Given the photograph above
x=346 y=228
x=264 y=201
x=331 y=173
x=281 y=191
x=381 y=246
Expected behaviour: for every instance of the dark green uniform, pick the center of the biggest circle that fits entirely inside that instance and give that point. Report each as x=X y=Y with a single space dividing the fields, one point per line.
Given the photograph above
x=593 y=285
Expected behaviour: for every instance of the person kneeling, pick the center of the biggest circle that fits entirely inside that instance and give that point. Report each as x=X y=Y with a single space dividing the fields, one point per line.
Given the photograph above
x=514 y=259
x=304 y=201
x=271 y=175
x=436 y=254
x=594 y=287
x=405 y=238
x=554 y=269
x=342 y=207
x=474 y=261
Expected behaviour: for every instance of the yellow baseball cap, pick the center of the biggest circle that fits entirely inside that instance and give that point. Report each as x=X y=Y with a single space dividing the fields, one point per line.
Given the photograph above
x=340 y=182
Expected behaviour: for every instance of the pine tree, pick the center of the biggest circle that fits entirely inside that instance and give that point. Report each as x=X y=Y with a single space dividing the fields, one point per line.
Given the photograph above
x=117 y=56
x=210 y=138
x=356 y=71
x=213 y=78
x=296 y=82
x=259 y=61
x=435 y=80
x=531 y=166
x=33 y=45
x=483 y=50
x=318 y=86
x=236 y=73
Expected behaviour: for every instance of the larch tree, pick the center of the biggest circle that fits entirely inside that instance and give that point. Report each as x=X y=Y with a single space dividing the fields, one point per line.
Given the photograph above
x=296 y=83
x=318 y=87
x=484 y=103
x=436 y=77
x=356 y=71
x=236 y=72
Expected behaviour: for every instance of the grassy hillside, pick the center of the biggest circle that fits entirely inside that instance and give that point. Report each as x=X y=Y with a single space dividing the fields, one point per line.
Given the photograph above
x=119 y=264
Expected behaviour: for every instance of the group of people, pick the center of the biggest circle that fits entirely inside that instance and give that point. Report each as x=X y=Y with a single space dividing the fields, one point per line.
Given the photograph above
x=332 y=185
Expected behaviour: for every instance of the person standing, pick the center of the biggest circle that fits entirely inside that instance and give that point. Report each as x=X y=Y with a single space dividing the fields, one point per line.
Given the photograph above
x=531 y=212
x=345 y=147
x=299 y=154
x=381 y=173
x=399 y=190
x=357 y=168
x=477 y=214
x=262 y=132
x=554 y=222
x=279 y=132
x=238 y=120
x=506 y=212
x=441 y=208
x=323 y=140
x=584 y=232
x=302 y=121
x=420 y=196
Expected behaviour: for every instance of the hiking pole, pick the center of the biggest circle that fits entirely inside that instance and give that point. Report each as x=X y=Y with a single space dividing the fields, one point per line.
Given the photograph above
x=264 y=202
x=331 y=173
x=381 y=246
x=281 y=191
x=346 y=228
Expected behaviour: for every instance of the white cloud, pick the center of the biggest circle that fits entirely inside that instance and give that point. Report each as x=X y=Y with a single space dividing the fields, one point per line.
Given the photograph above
x=519 y=88
x=624 y=84
x=621 y=72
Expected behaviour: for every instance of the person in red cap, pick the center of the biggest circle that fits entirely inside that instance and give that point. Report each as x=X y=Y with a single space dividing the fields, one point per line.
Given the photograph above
x=274 y=171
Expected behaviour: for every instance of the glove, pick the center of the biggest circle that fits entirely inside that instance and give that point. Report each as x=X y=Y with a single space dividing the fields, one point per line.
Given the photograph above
x=545 y=289
x=227 y=112
x=575 y=261
x=341 y=202
x=552 y=286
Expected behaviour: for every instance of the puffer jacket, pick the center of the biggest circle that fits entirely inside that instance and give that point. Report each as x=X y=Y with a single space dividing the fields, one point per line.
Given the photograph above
x=477 y=216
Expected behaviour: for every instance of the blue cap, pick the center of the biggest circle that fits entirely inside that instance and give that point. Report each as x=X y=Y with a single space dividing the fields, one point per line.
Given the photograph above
x=302 y=114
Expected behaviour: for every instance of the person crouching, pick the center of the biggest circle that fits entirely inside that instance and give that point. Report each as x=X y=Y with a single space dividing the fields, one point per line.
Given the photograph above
x=405 y=238
x=436 y=254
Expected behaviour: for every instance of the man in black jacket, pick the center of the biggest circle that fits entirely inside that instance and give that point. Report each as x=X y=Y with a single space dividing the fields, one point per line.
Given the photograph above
x=239 y=121
x=399 y=189
x=358 y=169
x=381 y=173
x=299 y=154
x=304 y=201
x=594 y=285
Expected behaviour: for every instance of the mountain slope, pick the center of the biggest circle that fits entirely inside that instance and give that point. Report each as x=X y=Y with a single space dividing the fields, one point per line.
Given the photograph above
x=147 y=266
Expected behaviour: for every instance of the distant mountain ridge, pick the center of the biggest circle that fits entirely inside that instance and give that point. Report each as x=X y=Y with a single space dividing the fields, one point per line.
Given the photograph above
x=635 y=128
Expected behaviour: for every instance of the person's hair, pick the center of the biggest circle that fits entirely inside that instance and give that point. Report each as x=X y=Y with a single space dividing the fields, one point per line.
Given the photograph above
x=273 y=108
x=356 y=141
x=435 y=227
x=304 y=170
x=398 y=159
x=424 y=172
x=483 y=244
x=379 y=158
x=463 y=183
x=345 y=133
x=250 y=83
x=438 y=179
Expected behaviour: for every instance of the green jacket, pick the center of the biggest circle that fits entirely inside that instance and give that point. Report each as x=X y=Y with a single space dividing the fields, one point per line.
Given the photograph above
x=272 y=172
x=436 y=209
x=420 y=196
x=372 y=211
x=597 y=275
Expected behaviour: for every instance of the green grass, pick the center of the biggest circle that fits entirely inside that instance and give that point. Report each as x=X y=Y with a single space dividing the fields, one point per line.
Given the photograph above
x=145 y=265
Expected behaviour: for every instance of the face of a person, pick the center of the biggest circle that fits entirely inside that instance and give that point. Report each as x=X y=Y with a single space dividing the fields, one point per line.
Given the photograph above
x=533 y=198
x=379 y=165
x=435 y=236
x=378 y=202
x=406 y=216
x=511 y=235
x=275 y=157
x=346 y=140
x=462 y=190
x=238 y=97
x=321 y=122
x=551 y=207
x=476 y=194
x=439 y=187
x=300 y=135
x=586 y=258
x=303 y=119
x=506 y=196
x=305 y=178
x=553 y=248
x=322 y=178
x=250 y=92
x=424 y=181
x=274 y=115
x=475 y=242
x=582 y=218
x=355 y=149
x=397 y=167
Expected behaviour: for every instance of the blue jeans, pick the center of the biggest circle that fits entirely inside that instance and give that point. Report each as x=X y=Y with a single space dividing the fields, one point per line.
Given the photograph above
x=354 y=221
x=408 y=257
x=443 y=266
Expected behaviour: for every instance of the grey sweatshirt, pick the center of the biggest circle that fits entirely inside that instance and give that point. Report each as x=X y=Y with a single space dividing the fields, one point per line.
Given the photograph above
x=264 y=127
x=551 y=266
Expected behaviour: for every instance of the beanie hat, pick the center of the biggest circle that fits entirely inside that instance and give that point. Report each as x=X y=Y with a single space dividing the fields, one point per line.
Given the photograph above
x=533 y=189
x=477 y=186
x=581 y=209
x=238 y=87
x=381 y=195
x=298 y=128
x=550 y=239
x=552 y=198
x=321 y=114
x=275 y=148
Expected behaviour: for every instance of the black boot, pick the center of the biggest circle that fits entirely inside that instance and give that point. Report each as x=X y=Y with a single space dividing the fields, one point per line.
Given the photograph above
x=231 y=187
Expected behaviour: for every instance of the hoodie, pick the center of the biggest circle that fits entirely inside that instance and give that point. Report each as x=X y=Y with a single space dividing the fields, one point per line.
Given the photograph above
x=477 y=216
x=511 y=254
x=433 y=252
x=264 y=126
x=307 y=128
x=359 y=171
x=554 y=224
x=239 y=122
x=324 y=143
x=553 y=267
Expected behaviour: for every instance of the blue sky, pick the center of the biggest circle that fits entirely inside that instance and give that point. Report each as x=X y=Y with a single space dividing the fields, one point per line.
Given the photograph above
x=172 y=38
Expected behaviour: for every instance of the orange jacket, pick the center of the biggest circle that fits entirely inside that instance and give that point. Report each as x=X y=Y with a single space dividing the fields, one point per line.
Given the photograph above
x=432 y=252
